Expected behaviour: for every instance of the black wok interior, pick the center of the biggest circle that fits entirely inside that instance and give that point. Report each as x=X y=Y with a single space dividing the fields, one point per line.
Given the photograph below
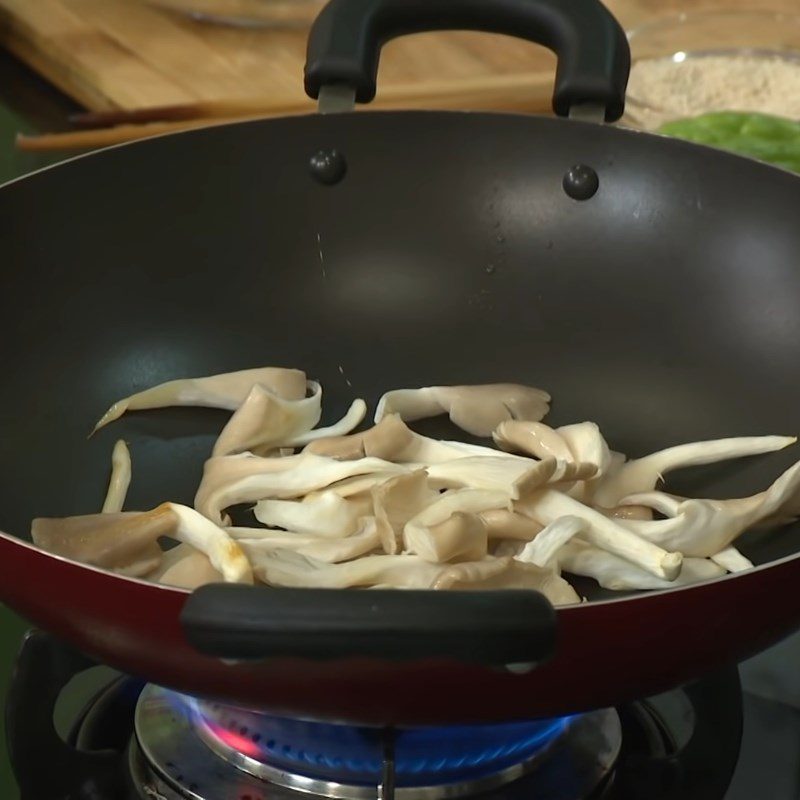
x=664 y=308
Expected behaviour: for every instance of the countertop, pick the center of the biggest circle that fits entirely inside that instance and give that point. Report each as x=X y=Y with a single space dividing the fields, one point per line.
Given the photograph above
x=28 y=104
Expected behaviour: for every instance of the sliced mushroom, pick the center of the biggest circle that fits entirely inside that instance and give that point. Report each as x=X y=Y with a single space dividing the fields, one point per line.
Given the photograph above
x=287 y=568
x=504 y=524
x=468 y=501
x=329 y=549
x=643 y=474
x=568 y=472
x=327 y=515
x=641 y=513
x=616 y=573
x=542 y=549
x=492 y=474
x=186 y=568
x=356 y=486
x=476 y=409
x=732 y=560
x=393 y=440
x=507 y=573
x=398 y=500
x=547 y=505
x=225 y=555
x=265 y=420
x=266 y=423
x=505 y=548
x=226 y=391
x=384 y=440
x=703 y=528
x=581 y=443
x=461 y=537
x=120 y=478
x=126 y=543
x=229 y=480
x=533 y=438
x=587 y=445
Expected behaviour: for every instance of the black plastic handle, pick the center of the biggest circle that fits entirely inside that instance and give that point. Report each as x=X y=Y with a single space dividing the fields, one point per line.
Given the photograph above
x=46 y=768
x=593 y=54
x=493 y=627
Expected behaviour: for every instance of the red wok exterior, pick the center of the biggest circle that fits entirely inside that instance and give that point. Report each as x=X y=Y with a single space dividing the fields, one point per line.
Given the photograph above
x=607 y=652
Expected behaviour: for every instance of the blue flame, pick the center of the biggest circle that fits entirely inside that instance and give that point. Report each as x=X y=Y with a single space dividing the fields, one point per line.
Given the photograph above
x=354 y=755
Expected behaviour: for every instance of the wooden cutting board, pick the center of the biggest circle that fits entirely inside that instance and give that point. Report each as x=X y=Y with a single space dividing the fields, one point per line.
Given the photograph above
x=127 y=54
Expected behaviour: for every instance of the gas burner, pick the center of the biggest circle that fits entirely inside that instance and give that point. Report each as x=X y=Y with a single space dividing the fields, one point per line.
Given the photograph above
x=144 y=743
x=186 y=748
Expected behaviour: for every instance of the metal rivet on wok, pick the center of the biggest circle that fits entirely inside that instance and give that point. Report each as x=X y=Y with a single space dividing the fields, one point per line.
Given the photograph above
x=328 y=166
x=580 y=182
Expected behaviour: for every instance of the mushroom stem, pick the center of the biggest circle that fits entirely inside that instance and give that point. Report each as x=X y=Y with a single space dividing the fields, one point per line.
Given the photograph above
x=547 y=505
x=120 y=478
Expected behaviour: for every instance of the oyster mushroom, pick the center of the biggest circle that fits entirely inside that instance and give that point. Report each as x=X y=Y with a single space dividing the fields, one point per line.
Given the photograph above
x=329 y=549
x=732 y=560
x=643 y=474
x=461 y=537
x=504 y=524
x=327 y=515
x=226 y=391
x=476 y=409
x=265 y=422
x=393 y=440
x=186 y=568
x=493 y=474
x=533 y=438
x=703 y=528
x=384 y=440
x=468 y=501
x=506 y=573
x=547 y=505
x=126 y=543
x=230 y=480
x=123 y=542
x=587 y=445
x=642 y=513
x=224 y=554
x=505 y=548
x=618 y=574
x=282 y=567
x=398 y=500
x=120 y=479
x=581 y=443
x=543 y=547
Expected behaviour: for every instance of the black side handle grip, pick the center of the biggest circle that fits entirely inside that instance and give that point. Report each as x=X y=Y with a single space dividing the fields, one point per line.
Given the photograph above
x=593 y=54
x=254 y=622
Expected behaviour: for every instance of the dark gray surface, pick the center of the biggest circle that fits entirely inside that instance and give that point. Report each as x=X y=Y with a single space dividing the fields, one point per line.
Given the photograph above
x=27 y=104
x=769 y=765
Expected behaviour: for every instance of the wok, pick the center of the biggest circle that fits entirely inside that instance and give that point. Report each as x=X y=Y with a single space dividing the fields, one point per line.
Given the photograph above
x=659 y=300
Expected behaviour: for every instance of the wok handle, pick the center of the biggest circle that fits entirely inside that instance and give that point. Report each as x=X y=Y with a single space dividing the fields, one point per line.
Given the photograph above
x=593 y=55
x=250 y=622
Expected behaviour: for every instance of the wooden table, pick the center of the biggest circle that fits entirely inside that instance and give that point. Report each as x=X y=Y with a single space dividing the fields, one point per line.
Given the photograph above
x=126 y=54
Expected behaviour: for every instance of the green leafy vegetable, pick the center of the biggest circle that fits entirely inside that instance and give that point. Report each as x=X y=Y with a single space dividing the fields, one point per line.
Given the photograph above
x=775 y=140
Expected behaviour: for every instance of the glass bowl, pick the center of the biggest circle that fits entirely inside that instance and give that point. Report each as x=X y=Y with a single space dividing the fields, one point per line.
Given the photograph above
x=247 y=13
x=703 y=61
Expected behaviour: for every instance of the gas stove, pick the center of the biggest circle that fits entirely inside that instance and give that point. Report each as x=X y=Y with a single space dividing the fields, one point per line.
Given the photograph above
x=136 y=741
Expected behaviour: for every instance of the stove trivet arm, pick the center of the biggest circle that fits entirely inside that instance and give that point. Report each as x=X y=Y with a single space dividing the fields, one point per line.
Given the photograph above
x=46 y=768
x=386 y=787
x=505 y=628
